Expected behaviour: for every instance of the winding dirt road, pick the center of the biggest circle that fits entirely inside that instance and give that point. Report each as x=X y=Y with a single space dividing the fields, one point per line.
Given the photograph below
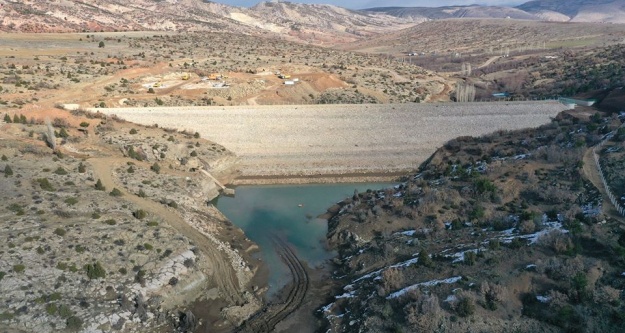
x=224 y=276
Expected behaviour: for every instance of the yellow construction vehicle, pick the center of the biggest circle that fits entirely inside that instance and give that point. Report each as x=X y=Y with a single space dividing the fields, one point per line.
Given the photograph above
x=185 y=76
x=157 y=84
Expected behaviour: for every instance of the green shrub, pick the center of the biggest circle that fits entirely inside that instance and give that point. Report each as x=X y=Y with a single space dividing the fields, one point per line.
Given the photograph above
x=123 y=271
x=4 y=158
x=95 y=215
x=65 y=311
x=155 y=167
x=110 y=222
x=19 y=268
x=45 y=185
x=6 y=316
x=469 y=258
x=152 y=224
x=81 y=168
x=73 y=323
x=55 y=296
x=425 y=260
x=16 y=208
x=465 y=307
x=71 y=201
x=51 y=309
x=62 y=266
x=2 y=274
x=99 y=186
x=116 y=193
x=84 y=124
x=133 y=131
x=141 y=194
x=63 y=133
x=95 y=271
x=60 y=171
x=8 y=171
x=196 y=135
x=148 y=246
x=140 y=214
x=60 y=231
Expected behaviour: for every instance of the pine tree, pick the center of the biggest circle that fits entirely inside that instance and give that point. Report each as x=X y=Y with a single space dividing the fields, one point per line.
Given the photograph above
x=424 y=259
x=8 y=171
x=99 y=186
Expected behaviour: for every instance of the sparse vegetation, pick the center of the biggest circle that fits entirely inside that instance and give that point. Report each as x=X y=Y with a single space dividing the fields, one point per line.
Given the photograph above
x=95 y=271
x=116 y=192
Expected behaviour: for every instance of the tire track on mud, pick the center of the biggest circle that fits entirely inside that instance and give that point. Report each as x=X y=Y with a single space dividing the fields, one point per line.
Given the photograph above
x=266 y=320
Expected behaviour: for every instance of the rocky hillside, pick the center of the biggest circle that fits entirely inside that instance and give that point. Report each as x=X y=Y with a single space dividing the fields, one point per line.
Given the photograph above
x=193 y=15
x=105 y=227
x=506 y=232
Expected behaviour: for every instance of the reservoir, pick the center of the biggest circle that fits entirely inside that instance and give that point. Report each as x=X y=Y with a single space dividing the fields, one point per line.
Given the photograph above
x=291 y=213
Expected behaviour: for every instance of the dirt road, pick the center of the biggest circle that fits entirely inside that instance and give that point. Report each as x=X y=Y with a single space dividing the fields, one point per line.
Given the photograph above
x=224 y=276
x=592 y=173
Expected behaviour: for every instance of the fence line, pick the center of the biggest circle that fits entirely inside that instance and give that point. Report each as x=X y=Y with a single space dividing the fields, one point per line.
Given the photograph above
x=613 y=199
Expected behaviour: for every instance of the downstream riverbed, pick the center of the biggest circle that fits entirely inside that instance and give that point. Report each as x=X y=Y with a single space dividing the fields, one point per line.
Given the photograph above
x=291 y=213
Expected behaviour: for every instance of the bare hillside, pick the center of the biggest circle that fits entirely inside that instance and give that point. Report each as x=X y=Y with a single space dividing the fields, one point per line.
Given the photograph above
x=315 y=23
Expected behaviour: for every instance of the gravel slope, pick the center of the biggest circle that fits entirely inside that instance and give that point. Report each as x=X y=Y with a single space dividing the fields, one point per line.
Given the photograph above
x=305 y=140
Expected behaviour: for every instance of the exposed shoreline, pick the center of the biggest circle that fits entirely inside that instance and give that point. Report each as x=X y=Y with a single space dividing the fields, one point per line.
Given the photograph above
x=373 y=177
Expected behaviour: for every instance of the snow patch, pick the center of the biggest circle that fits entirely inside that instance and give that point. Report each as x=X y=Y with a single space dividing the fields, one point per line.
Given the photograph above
x=430 y=283
x=543 y=299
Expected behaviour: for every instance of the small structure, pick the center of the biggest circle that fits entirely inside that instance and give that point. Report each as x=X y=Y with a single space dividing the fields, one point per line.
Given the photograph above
x=501 y=95
x=289 y=82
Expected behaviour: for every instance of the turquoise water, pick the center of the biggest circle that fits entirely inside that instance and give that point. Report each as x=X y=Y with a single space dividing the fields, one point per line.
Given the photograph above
x=289 y=212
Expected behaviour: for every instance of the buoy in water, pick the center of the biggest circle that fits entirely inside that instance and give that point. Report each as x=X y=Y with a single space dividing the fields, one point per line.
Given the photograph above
x=300 y=205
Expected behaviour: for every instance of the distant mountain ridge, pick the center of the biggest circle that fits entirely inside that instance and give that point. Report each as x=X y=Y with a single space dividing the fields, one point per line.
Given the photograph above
x=448 y=12
x=317 y=23
x=607 y=11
